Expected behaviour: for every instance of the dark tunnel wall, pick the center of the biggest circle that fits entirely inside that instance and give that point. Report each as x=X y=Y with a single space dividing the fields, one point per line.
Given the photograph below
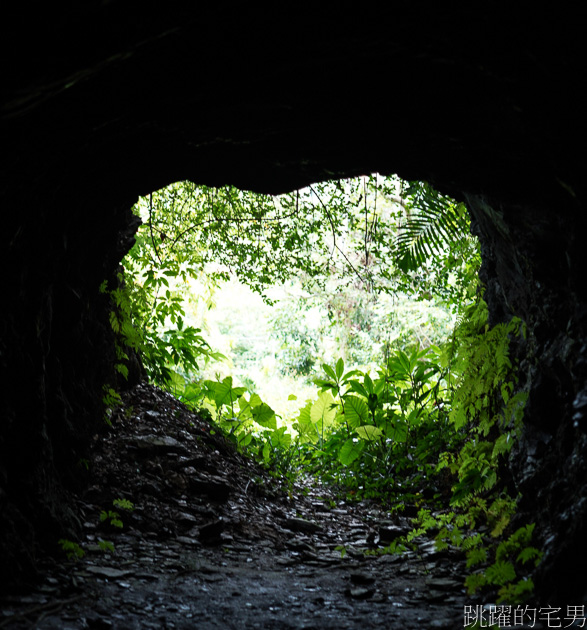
x=107 y=101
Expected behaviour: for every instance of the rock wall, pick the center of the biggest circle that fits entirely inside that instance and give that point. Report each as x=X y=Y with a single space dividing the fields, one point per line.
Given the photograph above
x=532 y=267
x=109 y=100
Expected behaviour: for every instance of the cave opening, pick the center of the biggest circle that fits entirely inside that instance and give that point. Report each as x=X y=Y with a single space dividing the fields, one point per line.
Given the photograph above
x=427 y=233
x=381 y=437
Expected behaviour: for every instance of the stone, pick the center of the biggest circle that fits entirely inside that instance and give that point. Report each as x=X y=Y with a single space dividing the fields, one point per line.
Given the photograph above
x=108 y=572
x=301 y=525
x=158 y=443
x=360 y=593
x=444 y=584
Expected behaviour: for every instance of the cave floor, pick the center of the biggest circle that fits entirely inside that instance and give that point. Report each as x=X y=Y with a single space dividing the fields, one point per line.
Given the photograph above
x=213 y=541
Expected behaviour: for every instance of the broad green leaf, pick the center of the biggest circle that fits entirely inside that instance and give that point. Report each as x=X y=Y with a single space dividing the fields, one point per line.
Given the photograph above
x=281 y=439
x=266 y=452
x=397 y=431
x=265 y=416
x=304 y=426
x=177 y=382
x=224 y=393
x=368 y=432
x=339 y=368
x=350 y=450
x=245 y=408
x=356 y=411
x=404 y=361
x=324 y=409
x=351 y=374
x=414 y=417
x=246 y=439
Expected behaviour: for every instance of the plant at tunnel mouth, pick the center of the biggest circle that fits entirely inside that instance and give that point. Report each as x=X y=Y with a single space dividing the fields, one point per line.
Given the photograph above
x=430 y=428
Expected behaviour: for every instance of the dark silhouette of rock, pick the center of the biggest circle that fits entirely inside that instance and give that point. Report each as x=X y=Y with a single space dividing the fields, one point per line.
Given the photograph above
x=106 y=101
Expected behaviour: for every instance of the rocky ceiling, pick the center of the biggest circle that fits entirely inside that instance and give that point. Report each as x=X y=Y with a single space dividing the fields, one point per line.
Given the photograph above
x=103 y=101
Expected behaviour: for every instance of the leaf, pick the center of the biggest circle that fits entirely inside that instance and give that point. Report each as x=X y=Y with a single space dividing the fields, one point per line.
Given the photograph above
x=329 y=372
x=122 y=369
x=339 y=369
x=500 y=573
x=324 y=409
x=265 y=416
x=124 y=504
x=176 y=382
x=106 y=545
x=433 y=222
x=356 y=411
x=72 y=549
x=350 y=374
x=397 y=431
x=245 y=412
x=476 y=556
x=280 y=439
x=529 y=553
x=358 y=388
x=350 y=450
x=368 y=432
x=474 y=582
x=305 y=427
x=225 y=393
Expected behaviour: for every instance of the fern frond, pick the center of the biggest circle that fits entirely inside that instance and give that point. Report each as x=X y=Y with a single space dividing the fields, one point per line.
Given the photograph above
x=433 y=222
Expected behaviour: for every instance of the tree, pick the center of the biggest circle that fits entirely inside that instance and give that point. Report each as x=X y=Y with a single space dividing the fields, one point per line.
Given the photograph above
x=366 y=235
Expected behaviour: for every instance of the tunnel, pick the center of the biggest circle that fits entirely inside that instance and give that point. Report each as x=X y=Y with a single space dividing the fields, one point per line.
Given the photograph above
x=106 y=101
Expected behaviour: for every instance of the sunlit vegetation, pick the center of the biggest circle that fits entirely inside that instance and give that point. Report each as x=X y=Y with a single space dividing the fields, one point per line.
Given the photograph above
x=366 y=361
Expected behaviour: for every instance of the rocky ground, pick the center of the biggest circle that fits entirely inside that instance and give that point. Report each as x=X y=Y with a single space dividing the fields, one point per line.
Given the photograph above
x=213 y=541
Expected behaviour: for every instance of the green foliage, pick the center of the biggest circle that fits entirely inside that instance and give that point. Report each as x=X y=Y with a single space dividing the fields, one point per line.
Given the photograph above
x=298 y=343
x=432 y=221
x=106 y=546
x=123 y=504
x=509 y=558
x=113 y=517
x=484 y=401
x=110 y=399
x=393 y=424
x=334 y=229
x=149 y=318
x=72 y=550
x=431 y=422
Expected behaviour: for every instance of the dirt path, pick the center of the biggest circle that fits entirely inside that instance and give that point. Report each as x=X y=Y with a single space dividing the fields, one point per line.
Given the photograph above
x=213 y=542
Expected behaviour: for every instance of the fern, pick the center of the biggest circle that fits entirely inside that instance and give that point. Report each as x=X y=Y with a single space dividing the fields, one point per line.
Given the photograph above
x=433 y=222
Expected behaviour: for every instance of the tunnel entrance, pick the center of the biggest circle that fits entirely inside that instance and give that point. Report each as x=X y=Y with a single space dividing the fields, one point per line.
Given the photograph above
x=389 y=467
x=423 y=428
x=353 y=348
